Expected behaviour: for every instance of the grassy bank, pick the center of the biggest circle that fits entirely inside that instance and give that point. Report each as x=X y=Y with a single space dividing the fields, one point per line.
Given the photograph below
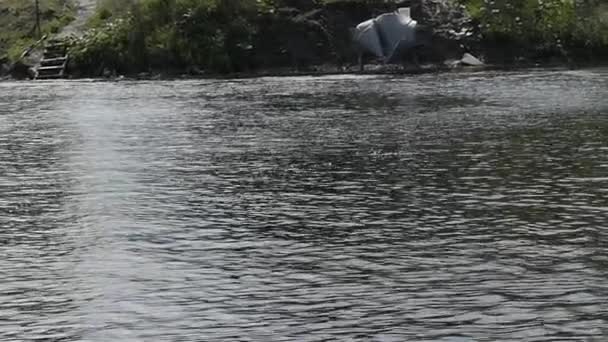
x=17 y=20
x=222 y=36
x=235 y=36
x=576 y=30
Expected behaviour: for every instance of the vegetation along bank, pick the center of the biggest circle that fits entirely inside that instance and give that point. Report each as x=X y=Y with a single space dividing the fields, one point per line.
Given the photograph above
x=18 y=29
x=243 y=36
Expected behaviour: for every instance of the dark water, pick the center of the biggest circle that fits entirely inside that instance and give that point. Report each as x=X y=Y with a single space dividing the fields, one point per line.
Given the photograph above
x=468 y=207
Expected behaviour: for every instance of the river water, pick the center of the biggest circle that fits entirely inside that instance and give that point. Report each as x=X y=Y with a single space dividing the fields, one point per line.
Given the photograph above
x=452 y=207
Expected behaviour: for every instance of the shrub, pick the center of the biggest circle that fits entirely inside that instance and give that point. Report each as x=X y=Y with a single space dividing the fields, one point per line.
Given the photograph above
x=541 y=25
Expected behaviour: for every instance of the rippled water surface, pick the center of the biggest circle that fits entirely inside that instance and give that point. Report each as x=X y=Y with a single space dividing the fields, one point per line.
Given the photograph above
x=454 y=207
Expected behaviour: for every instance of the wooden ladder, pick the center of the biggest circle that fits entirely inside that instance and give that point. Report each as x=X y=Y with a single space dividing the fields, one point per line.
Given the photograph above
x=54 y=61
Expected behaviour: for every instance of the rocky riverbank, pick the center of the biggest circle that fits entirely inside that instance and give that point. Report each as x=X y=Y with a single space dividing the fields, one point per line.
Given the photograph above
x=246 y=37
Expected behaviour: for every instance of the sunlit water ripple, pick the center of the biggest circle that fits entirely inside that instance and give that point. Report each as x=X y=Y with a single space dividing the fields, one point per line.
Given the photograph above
x=455 y=207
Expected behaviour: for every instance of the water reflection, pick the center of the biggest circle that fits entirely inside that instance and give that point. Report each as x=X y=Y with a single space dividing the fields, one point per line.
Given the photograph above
x=442 y=207
x=37 y=249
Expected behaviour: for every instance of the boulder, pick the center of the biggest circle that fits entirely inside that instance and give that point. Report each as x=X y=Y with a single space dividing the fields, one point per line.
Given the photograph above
x=467 y=60
x=470 y=60
x=4 y=66
x=4 y=69
x=21 y=71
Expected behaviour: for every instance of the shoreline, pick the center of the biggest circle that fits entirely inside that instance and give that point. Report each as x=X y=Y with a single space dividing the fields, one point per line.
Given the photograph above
x=320 y=71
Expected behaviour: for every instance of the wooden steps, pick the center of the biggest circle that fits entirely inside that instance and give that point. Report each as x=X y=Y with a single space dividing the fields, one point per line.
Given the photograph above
x=54 y=61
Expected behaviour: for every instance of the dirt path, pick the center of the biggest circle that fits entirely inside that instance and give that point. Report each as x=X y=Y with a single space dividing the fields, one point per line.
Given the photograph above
x=85 y=9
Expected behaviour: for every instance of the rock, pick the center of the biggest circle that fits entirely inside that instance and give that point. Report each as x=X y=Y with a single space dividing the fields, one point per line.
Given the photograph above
x=195 y=71
x=452 y=63
x=107 y=73
x=470 y=60
x=4 y=66
x=467 y=60
x=4 y=69
x=21 y=71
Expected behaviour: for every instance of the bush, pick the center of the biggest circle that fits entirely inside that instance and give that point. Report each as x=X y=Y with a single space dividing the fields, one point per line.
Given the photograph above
x=104 y=47
x=214 y=35
x=540 y=27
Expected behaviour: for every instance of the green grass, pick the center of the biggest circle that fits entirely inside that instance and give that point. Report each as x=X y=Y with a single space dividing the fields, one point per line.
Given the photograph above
x=17 y=20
